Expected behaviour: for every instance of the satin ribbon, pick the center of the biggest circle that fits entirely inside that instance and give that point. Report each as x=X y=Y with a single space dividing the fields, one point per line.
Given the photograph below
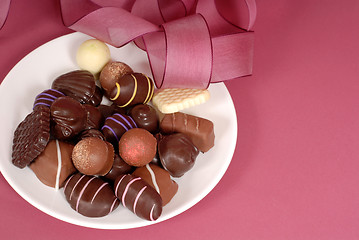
x=189 y=43
x=4 y=10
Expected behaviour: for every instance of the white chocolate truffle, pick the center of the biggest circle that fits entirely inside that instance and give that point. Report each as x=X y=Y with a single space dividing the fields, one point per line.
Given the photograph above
x=92 y=55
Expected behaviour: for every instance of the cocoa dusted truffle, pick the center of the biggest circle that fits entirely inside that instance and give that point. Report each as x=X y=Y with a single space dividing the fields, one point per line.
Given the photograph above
x=139 y=197
x=111 y=72
x=54 y=165
x=132 y=89
x=177 y=154
x=93 y=156
x=68 y=116
x=90 y=196
x=137 y=147
x=159 y=179
x=145 y=117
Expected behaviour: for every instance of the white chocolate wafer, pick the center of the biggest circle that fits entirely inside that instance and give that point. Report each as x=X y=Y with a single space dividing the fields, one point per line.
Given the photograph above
x=170 y=100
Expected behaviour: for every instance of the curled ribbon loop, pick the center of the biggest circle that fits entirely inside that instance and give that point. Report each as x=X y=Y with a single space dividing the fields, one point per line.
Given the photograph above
x=189 y=43
x=4 y=11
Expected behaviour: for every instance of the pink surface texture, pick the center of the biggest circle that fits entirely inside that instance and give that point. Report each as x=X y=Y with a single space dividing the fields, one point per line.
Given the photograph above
x=295 y=171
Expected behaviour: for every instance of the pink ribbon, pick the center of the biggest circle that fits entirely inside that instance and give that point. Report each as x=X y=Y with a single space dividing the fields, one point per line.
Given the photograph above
x=4 y=10
x=189 y=43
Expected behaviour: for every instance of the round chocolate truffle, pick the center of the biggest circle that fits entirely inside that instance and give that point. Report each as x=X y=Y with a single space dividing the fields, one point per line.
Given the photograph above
x=145 y=117
x=137 y=147
x=111 y=72
x=177 y=154
x=132 y=89
x=159 y=179
x=93 y=156
x=68 y=118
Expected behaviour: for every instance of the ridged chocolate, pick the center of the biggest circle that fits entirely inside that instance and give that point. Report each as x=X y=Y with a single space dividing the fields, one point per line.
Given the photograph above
x=80 y=85
x=90 y=196
x=139 y=197
x=199 y=130
x=31 y=137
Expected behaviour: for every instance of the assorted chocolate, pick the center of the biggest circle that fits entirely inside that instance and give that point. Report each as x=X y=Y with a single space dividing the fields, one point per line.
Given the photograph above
x=54 y=165
x=106 y=155
x=90 y=195
x=136 y=195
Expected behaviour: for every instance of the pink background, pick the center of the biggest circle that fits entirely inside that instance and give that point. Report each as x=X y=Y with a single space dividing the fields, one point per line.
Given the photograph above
x=295 y=171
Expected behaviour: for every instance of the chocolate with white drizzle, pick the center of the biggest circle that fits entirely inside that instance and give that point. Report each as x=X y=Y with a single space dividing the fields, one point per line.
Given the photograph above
x=90 y=196
x=139 y=197
x=159 y=179
x=53 y=166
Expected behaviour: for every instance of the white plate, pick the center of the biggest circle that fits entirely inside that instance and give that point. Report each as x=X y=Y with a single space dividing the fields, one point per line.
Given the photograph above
x=35 y=73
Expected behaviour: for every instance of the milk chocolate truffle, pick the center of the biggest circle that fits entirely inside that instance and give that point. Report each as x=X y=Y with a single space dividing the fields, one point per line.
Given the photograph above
x=111 y=72
x=177 y=154
x=199 y=130
x=90 y=196
x=159 y=179
x=137 y=147
x=68 y=116
x=145 y=117
x=115 y=126
x=80 y=85
x=132 y=89
x=93 y=156
x=139 y=197
x=47 y=97
x=54 y=165
x=119 y=167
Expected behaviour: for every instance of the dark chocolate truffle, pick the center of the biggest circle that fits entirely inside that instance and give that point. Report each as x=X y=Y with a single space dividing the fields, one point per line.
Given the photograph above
x=159 y=179
x=90 y=196
x=93 y=156
x=132 y=89
x=119 y=167
x=94 y=117
x=54 y=165
x=111 y=72
x=69 y=118
x=145 y=117
x=139 y=197
x=80 y=85
x=177 y=154
x=137 y=147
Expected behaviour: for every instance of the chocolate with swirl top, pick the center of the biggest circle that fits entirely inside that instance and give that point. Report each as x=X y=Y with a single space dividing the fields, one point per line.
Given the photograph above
x=90 y=196
x=69 y=118
x=80 y=85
